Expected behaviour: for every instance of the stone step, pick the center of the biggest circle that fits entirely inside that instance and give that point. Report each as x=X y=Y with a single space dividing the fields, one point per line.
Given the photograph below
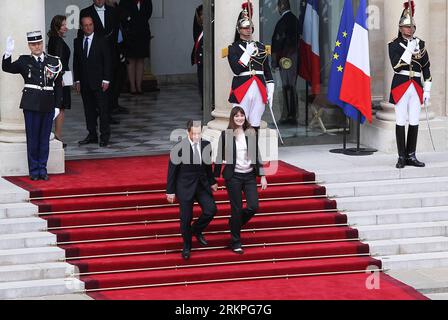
x=408 y=246
x=405 y=230
x=37 y=271
x=375 y=173
x=39 y=288
x=10 y=193
x=395 y=216
x=31 y=255
x=27 y=240
x=415 y=261
x=369 y=203
x=18 y=210
x=387 y=187
x=22 y=225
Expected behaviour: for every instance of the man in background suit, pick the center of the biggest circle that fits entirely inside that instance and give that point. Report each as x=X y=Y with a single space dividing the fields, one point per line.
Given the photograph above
x=92 y=74
x=107 y=23
x=285 y=56
x=190 y=178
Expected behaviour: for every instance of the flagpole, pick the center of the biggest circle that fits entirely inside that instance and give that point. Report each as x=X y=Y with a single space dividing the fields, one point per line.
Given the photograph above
x=307 y=105
x=358 y=151
x=344 y=139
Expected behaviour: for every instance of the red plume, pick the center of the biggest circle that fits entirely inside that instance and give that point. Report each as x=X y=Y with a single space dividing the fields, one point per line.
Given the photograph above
x=245 y=6
x=406 y=6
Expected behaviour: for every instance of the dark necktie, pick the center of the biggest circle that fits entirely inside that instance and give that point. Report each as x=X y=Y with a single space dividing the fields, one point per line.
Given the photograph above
x=196 y=157
x=86 y=47
x=39 y=60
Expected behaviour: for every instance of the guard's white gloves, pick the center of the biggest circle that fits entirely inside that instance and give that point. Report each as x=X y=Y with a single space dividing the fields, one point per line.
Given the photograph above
x=9 y=47
x=248 y=51
x=427 y=93
x=270 y=88
x=411 y=49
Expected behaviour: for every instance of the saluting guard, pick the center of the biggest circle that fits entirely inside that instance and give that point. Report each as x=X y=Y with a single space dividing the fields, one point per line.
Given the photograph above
x=411 y=85
x=253 y=84
x=42 y=94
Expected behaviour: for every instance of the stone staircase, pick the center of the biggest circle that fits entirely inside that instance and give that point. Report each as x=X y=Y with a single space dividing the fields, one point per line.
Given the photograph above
x=401 y=214
x=30 y=263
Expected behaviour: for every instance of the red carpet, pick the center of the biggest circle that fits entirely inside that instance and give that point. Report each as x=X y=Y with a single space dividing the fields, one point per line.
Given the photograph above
x=112 y=219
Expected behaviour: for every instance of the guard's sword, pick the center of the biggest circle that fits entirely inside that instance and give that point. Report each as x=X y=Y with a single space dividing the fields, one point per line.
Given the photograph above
x=425 y=103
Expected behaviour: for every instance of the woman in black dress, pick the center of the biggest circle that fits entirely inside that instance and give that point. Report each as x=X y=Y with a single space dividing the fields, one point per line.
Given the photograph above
x=137 y=37
x=58 y=47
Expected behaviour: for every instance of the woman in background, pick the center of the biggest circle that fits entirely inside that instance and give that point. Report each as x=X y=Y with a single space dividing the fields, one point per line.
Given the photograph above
x=58 y=47
x=137 y=37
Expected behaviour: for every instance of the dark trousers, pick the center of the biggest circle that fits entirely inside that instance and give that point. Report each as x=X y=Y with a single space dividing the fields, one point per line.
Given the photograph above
x=208 y=206
x=116 y=85
x=240 y=182
x=38 y=129
x=96 y=105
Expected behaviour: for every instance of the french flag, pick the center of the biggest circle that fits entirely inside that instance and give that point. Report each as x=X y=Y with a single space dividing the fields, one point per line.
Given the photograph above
x=355 y=89
x=309 y=47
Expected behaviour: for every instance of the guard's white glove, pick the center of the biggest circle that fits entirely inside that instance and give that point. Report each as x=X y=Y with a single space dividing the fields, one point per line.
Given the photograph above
x=9 y=47
x=251 y=47
x=270 y=86
x=412 y=45
x=248 y=51
x=427 y=93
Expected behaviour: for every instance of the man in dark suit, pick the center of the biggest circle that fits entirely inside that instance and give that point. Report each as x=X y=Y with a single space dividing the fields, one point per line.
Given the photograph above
x=107 y=23
x=92 y=74
x=42 y=93
x=190 y=177
x=285 y=56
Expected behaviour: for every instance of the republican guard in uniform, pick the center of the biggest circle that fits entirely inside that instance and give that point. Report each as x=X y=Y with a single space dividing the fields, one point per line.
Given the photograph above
x=411 y=85
x=42 y=95
x=253 y=84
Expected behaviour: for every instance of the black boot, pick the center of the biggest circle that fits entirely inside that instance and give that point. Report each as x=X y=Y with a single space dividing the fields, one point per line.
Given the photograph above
x=400 y=134
x=411 y=146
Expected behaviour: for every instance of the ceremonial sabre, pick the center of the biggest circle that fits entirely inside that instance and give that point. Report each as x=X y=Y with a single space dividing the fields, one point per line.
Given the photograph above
x=425 y=104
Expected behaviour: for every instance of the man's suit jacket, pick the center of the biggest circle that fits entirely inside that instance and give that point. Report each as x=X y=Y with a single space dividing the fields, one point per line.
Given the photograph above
x=223 y=154
x=184 y=177
x=94 y=69
x=111 y=21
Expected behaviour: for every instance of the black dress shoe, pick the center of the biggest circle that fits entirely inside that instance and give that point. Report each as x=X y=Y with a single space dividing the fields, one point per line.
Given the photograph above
x=201 y=239
x=44 y=177
x=104 y=143
x=401 y=163
x=88 y=140
x=238 y=250
x=34 y=178
x=186 y=254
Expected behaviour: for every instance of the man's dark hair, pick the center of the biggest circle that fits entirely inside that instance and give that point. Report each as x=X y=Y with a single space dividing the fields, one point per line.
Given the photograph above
x=284 y=4
x=191 y=124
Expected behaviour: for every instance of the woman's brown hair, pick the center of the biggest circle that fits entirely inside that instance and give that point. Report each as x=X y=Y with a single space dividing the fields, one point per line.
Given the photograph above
x=55 y=26
x=233 y=113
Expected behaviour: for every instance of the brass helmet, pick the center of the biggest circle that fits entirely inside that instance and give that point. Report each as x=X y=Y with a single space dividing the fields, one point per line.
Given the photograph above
x=407 y=17
x=245 y=17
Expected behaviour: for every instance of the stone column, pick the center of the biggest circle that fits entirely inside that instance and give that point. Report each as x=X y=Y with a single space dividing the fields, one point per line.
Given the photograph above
x=381 y=133
x=13 y=160
x=226 y=14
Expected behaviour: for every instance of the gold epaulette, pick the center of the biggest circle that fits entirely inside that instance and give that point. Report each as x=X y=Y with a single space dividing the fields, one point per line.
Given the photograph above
x=225 y=52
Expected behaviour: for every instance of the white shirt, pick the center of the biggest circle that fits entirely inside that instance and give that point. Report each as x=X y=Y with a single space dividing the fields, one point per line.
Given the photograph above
x=285 y=12
x=198 y=147
x=42 y=57
x=243 y=164
x=101 y=11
